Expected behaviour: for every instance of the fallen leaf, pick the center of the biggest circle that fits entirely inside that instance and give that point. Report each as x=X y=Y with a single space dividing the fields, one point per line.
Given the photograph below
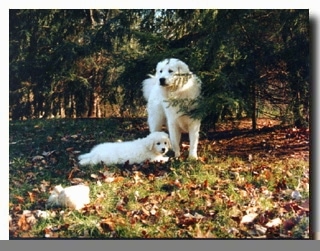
x=76 y=181
x=31 y=196
x=143 y=200
x=305 y=205
x=71 y=173
x=186 y=221
x=145 y=211
x=248 y=218
x=44 y=153
x=296 y=195
x=31 y=220
x=44 y=214
x=233 y=231
x=137 y=178
x=200 y=234
x=109 y=179
x=289 y=224
x=69 y=149
x=203 y=160
x=257 y=230
x=154 y=210
x=19 y=198
x=118 y=179
x=38 y=157
x=268 y=174
x=274 y=223
x=177 y=183
x=108 y=225
x=23 y=224
x=47 y=232
x=205 y=184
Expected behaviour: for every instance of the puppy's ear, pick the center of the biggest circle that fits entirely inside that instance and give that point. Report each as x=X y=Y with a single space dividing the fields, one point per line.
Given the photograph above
x=150 y=144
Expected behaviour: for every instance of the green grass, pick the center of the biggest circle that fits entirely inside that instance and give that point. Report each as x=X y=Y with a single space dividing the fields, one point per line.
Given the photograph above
x=179 y=199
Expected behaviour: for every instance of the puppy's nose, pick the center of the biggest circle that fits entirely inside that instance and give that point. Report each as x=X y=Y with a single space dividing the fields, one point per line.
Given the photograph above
x=162 y=81
x=163 y=150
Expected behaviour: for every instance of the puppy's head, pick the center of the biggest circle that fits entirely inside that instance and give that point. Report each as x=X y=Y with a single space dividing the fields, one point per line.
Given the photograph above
x=158 y=142
x=172 y=72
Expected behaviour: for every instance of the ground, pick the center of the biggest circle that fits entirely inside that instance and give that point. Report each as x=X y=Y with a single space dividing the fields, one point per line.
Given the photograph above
x=244 y=185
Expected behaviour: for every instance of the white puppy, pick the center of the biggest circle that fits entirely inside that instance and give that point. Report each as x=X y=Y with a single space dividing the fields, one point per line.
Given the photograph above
x=73 y=197
x=173 y=82
x=151 y=148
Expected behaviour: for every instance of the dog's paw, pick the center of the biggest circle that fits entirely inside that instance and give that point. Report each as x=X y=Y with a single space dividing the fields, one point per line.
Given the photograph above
x=177 y=154
x=192 y=157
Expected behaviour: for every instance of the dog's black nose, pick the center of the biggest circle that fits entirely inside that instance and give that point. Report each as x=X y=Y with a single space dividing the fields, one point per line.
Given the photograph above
x=162 y=81
x=163 y=150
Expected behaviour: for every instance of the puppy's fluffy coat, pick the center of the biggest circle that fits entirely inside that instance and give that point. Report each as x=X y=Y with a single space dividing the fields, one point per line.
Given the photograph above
x=152 y=148
x=172 y=82
x=73 y=197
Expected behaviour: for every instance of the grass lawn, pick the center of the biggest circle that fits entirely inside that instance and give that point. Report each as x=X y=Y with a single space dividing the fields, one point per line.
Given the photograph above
x=244 y=185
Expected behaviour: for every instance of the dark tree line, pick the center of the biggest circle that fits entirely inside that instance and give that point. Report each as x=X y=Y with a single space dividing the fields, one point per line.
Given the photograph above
x=90 y=63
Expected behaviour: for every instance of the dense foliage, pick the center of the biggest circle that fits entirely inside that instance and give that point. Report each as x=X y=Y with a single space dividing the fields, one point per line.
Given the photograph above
x=90 y=63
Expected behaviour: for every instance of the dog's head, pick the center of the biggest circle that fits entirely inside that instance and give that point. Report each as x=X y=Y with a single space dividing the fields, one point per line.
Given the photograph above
x=158 y=142
x=172 y=73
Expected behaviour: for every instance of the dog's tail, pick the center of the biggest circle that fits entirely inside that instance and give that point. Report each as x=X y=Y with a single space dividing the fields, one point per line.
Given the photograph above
x=147 y=86
x=85 y=159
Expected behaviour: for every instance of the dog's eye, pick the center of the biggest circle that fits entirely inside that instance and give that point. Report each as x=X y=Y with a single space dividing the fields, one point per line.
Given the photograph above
x=158 y=143
x=165 y=143
x=170 y=71
x=160 y=71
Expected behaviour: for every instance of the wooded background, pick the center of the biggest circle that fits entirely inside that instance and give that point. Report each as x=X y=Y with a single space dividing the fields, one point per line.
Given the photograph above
x=90 y=63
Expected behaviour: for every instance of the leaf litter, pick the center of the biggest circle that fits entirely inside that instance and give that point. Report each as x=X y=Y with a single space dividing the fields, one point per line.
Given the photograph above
x=257 y=190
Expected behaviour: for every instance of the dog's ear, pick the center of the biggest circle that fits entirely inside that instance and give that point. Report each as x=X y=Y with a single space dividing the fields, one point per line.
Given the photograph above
x=182 y=67
x=150 y=144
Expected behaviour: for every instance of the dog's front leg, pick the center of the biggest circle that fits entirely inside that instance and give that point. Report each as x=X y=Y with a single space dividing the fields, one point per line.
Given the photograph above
x=175 y=136
x=156 y=117
x=194 y=140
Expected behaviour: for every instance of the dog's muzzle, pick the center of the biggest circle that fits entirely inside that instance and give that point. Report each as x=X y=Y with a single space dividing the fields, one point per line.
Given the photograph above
x=162 y=81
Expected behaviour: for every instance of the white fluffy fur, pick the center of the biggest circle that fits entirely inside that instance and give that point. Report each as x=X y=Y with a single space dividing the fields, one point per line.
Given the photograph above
x=151 y=148
x=173 y=80
x=73 y=197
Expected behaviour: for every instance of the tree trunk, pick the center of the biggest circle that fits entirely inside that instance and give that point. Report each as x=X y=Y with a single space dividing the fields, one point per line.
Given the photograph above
x=93 y=105
x=254 y=107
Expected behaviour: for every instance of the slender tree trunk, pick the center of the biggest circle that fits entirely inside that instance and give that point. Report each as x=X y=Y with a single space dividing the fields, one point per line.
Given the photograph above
x=93 y=101
x=62 y=107
x=254 y=107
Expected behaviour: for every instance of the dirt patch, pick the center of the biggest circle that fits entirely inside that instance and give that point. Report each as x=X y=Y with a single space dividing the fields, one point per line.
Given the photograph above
x=269 y=140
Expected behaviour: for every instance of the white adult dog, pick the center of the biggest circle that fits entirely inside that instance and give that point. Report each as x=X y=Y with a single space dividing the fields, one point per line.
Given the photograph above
x=173 y=82
x=152 y=148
